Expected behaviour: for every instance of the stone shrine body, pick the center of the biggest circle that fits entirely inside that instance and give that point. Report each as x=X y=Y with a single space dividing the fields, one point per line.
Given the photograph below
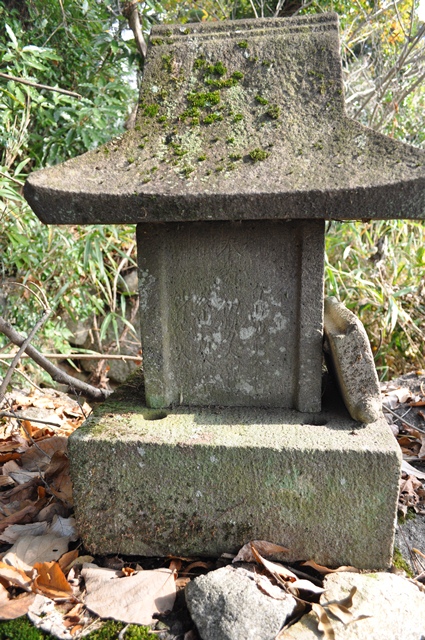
x=241 y=152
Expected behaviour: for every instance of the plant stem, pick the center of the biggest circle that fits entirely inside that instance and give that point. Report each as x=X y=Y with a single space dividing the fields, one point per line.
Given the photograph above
x=40 y=86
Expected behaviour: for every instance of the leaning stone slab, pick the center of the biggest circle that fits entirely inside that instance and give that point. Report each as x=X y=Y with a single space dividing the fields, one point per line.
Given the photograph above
x=395 y=605
x=204 y=481
x=352 y=361
x=228 y=605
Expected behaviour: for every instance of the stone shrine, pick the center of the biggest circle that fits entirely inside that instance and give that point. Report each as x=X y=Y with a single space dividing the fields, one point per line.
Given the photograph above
x=240 y=153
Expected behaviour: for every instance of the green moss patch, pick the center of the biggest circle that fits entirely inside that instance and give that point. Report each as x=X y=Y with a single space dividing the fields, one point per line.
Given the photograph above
x=257 y=155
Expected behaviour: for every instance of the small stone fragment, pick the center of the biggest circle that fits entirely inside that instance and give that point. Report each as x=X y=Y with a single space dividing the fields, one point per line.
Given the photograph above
x=227 y=605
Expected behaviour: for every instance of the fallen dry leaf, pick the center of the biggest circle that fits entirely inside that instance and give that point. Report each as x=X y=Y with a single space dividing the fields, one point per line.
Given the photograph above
x=15 y=577
x=340 y=609
x=64 y=527
x=277 y=570
x=16 y=607
x=324 y=624
x=324 y=570
x=305 y=585
x=18 y=475
x=38 y=457
x=410 y=470
x=265 y=585
x=245 y=554
x=134 y=599
x=58 y=479
x=5 y=457
x=175 y=565
x=15 y=531
x=5 y=480
x=32 y=549
x=51 y=581
x=199 y=564
x=68 y=560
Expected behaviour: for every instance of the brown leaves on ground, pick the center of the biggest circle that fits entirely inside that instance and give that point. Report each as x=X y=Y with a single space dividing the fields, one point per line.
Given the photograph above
x=64 y=592
x=404 y=410
x=36 y=498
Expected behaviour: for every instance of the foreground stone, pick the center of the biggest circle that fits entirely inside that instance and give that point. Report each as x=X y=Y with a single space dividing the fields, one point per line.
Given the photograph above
x=228 y=605
x=395 y=605
x=204 y=481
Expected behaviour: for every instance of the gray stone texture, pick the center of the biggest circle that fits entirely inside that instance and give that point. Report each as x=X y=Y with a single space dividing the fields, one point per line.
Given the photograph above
x=352 y=361
x=238 y=120
x=206 y=481
x=231 y=313
x=396 y=608
x=227 y=605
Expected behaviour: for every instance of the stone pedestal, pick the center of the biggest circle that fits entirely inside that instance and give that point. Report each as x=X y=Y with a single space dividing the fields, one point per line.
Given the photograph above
x=205 y=481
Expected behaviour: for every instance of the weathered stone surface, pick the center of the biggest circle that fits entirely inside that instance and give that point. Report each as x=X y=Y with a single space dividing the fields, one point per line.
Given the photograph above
x=227 y=605
x=396 y=608
x=205 y=481
x=238 y=120
x=231 y=313
x=352 y=361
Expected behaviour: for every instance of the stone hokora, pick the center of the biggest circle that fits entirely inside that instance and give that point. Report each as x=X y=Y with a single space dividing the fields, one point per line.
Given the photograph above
x=241 y=151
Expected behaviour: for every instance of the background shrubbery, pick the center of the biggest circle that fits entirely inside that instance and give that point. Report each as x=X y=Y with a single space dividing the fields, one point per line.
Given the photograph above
x=80 y=45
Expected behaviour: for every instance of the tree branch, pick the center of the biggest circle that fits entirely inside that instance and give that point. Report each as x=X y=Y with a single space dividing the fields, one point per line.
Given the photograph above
x=57 y=374
x=131 y=12
x=40 y=86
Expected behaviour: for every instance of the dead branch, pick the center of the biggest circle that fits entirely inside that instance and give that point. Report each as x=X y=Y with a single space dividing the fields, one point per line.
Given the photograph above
x=57 y=374
x=26 y=342
x=40 y=86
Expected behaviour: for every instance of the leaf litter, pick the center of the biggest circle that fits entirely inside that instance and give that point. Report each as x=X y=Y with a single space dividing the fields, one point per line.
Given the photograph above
x=403 y=401
x=65 y=593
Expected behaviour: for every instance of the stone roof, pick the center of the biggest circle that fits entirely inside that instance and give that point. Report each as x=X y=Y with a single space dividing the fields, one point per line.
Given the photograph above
x=238 y=120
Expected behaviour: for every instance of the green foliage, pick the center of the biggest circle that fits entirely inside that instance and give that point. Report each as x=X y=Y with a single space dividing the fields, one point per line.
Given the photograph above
x=400 y=563
x=77 y=45
x=22 y=629
x=377 y=269
x=111 y=629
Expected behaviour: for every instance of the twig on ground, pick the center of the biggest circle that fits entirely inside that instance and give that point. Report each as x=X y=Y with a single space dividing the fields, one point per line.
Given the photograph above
x=7 y=414
x=409 y=424
x=57 y=374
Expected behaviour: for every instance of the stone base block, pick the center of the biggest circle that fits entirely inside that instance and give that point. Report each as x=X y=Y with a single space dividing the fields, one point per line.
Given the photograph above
x=205 y=481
